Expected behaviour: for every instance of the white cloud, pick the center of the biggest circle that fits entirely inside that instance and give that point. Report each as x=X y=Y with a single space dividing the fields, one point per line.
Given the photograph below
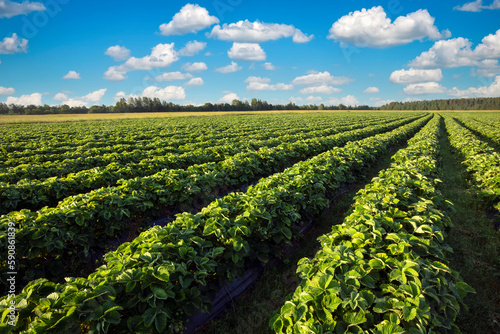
x=320 y=78
x=11 y=45
x=477 y=6
x=194 y=82
x=118 y=52
x=26 y=100
x=83 y=101
x=424 y=88
x=269 y=67
x=192 y=48
x=9 y=8
x=487 y=68
x=60 y=97
x=114 y=74
x=372 y=28
x=7 y=91
x=458 y=52
x=233 y=67
x=120 y=95
x=256 y=32
x=194 y=67
x=229 y=97
x=349 y=100
x=72 y=75
x=162 y=55
x=247 y=52
x=378 y=102
x=371 y=90
x=415 y=75
x=314 y=99
x=322 y=89
x=190 y=19
x=172 y=76
x=260 y=84
x=167 y=93
x=484 y=91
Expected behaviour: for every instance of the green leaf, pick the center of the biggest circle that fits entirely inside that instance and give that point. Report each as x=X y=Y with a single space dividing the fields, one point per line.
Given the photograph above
x=376 y=264
x=160 y=293
x=161 y=322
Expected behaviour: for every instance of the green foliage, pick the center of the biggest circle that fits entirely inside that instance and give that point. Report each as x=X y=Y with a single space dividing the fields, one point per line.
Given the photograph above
x=156 y=281
x=384 y=269
x=481 y=160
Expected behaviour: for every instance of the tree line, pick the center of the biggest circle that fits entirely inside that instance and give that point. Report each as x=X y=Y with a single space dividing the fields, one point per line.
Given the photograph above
x=486 y=103
x=146 y=104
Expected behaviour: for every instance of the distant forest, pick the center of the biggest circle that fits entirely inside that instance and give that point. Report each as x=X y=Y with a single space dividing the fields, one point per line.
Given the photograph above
x=487 y=103
x=145 y=104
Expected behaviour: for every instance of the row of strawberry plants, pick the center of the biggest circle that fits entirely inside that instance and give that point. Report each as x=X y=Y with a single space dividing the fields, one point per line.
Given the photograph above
x=35 y=169
x=483 y=163
x=383 y=270
x=490 y=132
x=34 y=194
x=88 y=221
x=153 y=283
x=195 y=135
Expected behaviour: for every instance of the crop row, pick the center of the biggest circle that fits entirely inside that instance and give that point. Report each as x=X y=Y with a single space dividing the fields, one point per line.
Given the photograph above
x=33 y=194
x=481 y=160
x=54 y=135
x=40 y=166
x=88 y=221
x=154 y=282
x=52 y=149
x=383 y=270
x=490 y=132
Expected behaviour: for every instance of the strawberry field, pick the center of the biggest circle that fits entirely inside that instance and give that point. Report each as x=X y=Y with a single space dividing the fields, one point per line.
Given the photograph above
x=133 y=226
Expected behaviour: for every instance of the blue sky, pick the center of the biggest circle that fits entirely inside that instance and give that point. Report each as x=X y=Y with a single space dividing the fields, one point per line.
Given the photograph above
x=360 y=52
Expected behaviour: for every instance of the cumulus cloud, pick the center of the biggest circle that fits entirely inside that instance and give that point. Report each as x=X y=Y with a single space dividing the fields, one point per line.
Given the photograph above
x=260 y=84
x=167 y=93
x=256 y=32
x=349 y=100
x=314 y=99
x=322 y=89
x=60 y=97
x=229 y=97
x=9 y=8
x=415 y=75
x=72 y=75
x=194 y=67
x=118 y=53
x=320 y=78
x=371 y=90
x=162 y=55
x=190 y=19
x=233 y=67
x=11 y=45
x=484 y=91
x=477 y=6
x=83 y=101
x=194 y=82
x=172 y=76
x=246 y=52
x=372 y=28
x=458 y=52
x=424 y=88
x=26 y=100
x=192 y=48
x=269 y=67
x=7 y=91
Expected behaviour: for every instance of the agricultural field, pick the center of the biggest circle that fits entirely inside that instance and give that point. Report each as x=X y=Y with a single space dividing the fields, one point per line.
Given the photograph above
x=379 y=222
